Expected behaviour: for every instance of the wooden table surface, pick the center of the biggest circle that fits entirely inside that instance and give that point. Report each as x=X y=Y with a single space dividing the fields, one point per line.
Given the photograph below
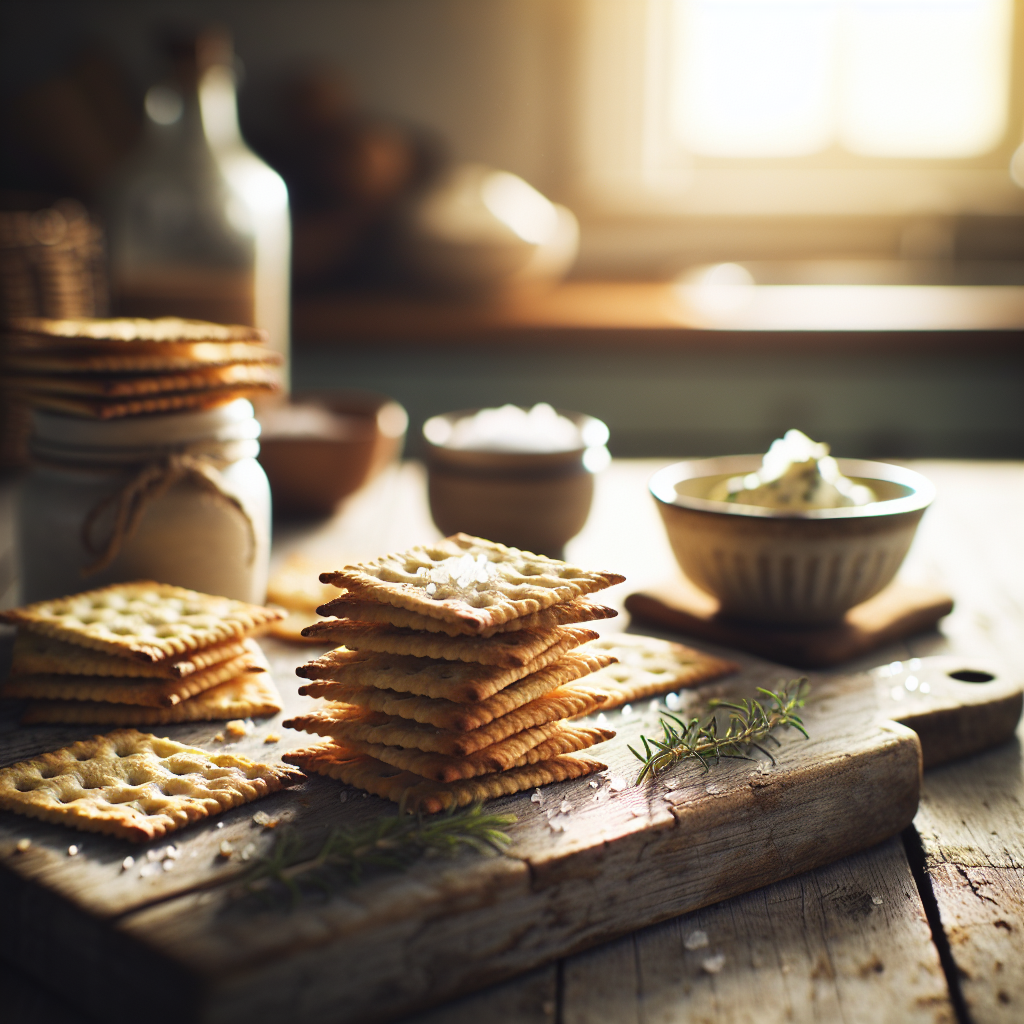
x=927 y=927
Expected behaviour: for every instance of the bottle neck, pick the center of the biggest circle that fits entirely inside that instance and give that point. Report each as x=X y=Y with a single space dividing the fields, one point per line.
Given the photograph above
x=218 y=107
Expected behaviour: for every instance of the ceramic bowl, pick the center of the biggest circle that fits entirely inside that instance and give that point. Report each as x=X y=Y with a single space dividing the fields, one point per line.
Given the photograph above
x=785 y=567
x=323 y=446
x=536 y=501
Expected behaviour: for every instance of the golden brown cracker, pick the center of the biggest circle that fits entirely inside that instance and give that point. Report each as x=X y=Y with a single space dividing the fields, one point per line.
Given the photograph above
x=116 y=408
x=468 y=579
x=296 y=584
x=131 y=329
x=415 y=793
x=358 y=724
x=290 y=629
x=647 y=667
x=506 y=649
x=36 y=654
x=352 y=606
x=140 y=358
x=459 y=681
x=527 y=747
x=106 y=386
x=250 y=695
x=143 y=620
x=134 y=785
x=447 y=714
x=157 y=693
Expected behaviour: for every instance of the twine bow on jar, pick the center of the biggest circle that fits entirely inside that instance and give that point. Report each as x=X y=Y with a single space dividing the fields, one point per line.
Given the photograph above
x=153 y=480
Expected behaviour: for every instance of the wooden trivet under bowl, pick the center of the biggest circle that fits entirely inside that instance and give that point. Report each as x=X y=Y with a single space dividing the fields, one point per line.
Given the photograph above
x=898 y=611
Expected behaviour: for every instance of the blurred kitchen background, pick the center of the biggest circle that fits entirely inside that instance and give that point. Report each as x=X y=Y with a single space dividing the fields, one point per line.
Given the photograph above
x=783 y=213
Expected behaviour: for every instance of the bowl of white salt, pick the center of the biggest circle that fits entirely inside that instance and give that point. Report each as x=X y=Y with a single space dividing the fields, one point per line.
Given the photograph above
x=520 y=476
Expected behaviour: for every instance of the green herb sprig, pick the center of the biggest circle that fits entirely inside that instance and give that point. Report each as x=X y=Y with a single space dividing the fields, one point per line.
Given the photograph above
x=389 y=844
x=751 y=724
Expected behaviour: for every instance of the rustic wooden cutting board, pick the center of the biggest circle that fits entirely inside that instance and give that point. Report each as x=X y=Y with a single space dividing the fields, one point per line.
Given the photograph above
x=588 y=863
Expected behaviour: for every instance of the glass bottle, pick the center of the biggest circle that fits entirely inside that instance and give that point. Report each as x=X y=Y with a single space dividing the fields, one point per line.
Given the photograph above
x=198 y=224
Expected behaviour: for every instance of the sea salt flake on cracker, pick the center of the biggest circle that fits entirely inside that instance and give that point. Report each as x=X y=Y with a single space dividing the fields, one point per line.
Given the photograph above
x=468 y=579
x=135 y=785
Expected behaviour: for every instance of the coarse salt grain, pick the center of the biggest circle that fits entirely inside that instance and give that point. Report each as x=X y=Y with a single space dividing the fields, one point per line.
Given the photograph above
x=22 y=845
x=127 y=863
x=248 y=850
x=226 y=849
x=565 y=807
x=617 y=784
x=72 y=851
x=168 y=865
x=713 y=964
x=696 y=940
x=264 y=819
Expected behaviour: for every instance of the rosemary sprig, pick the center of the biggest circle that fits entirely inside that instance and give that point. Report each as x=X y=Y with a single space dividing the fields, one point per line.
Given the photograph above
x=751 y=724
x=390 y=844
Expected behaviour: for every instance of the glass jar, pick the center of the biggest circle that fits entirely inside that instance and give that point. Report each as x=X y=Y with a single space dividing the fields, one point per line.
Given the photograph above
x=198 y=224
x=178 y=499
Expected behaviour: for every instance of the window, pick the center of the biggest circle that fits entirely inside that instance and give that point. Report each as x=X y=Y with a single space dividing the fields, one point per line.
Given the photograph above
x=802 y=106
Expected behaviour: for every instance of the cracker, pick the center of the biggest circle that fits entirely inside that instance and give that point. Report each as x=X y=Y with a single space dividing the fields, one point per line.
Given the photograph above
x=135 y=786
x=157 y=693
x=471 y=580
x=105 y=386
x=506 y=649
x=110 y=409
x=527 y=747
x=250 y=695
x=296 y=584
x=352 y=606
x=290 y=629
x=448 y=714
x=457 y=681
x=133 y=329
x=415 y=793
x=648 y=667
x=142 y=620
x=140 y=358
x=35 y=654
x=352 y=723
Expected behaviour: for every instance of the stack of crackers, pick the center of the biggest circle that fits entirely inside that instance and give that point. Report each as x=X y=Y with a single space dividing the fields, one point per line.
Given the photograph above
x=105 y=369
x=461 y=665
x=140 y=654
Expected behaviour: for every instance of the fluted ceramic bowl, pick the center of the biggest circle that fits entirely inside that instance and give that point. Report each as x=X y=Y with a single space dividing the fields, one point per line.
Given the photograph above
x=787 y=567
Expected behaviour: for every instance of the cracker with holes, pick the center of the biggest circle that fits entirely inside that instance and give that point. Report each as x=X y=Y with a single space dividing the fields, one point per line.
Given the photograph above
x=647 y=667
x=144 y=621
x=457 y=681
x=157 y=693
x=470 y=580
x=511 y=650
x=249 y=695
x=565 y=676
x=351 y=606
x=416 y=793
x=526 y=747
x=363 y=726
x=134 y=785
x=35 y=654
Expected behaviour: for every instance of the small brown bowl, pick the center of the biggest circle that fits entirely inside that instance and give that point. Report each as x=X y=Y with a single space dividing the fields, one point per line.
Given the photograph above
x=323 y=446
x=536 y=501
x=789 y=567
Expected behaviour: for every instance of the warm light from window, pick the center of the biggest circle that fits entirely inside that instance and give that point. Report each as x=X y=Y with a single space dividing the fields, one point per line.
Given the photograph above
x=882 y=78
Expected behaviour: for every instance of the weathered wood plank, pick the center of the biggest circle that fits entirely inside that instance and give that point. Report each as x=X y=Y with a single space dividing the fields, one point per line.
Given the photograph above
x=845 y=942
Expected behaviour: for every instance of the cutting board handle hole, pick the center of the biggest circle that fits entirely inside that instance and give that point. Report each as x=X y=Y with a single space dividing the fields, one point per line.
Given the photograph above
x=971 y=675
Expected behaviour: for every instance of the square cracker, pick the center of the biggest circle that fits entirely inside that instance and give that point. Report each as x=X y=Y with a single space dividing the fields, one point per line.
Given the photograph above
x=35 y=653
x=471 y=580
x=415 y=793
x=134 y=785
x=353 y=723
x=506 y=649
x=527 y=747
x=138 y=358
x=105 y=386
x=447 y=714
x=647 y=667
x=250 y=695
x=352 y=606
x=145 y=405
x=157 y=693
x=458 y=681
x=131 y=329
x=143 y=620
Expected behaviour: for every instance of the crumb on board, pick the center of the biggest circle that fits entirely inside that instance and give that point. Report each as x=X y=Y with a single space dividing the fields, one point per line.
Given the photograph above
x=72 y=850
x=226 y=849
x=272 y=737
x=218 y=737
x=236 y=727
x=264 y=820
x=22 y=845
